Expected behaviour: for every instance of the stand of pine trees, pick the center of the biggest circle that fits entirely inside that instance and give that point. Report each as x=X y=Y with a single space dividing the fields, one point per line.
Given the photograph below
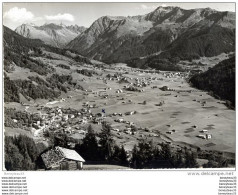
x=145 y=155
x=20 y=153
x=103 y=150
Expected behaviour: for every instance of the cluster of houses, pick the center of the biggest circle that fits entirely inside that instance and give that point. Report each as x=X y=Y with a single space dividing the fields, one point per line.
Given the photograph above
x=132 y=88
x=175 y=74
x=60 y=120
x=204 y=135
x=115 y=77
x=63 y=120
x=121 y=120
x=143 y=82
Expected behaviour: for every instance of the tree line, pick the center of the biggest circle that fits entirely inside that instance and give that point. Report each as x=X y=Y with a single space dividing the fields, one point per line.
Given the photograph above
x=21 y=152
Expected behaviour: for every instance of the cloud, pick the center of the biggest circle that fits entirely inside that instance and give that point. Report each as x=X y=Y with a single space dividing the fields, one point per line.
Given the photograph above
x=146 y=7
x=16 y=14
x=150 y=7
x=60 y=17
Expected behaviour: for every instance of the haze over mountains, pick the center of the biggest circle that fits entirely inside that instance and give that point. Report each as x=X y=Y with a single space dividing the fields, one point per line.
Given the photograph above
x=52 y=34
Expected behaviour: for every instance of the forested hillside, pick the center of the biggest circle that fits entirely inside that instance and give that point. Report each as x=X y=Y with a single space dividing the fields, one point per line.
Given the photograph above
x=220 y=80
x=25 y=53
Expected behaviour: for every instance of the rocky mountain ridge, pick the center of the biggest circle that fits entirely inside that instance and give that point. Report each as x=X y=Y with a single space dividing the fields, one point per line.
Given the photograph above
x=52 y=34
x=119 y=39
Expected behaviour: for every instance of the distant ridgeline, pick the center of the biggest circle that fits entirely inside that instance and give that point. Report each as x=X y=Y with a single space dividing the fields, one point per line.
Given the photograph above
x=165 y=36
x=220 y=80
x=16 y=45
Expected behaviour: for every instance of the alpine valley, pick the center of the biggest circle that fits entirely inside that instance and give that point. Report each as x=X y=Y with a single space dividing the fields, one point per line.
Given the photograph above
x=138 y=92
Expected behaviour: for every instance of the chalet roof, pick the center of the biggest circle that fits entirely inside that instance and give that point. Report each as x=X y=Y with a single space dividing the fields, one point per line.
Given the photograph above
x=54 y=156
x=70 y=154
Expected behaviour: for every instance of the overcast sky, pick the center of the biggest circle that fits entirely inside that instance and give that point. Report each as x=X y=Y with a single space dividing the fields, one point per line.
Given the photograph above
x=84 y=14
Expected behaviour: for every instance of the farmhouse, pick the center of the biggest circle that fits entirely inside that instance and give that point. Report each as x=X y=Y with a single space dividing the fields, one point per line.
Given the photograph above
x=202 y=136
x=98 y=120
x=62 y=159
x=65 y=117
x=71 y=116
x=164 y=88
x=119 y=91
x=120 y=120
x=83 y=120
x=169 y=132
x=204 y=131
x=208 y=136
x=129 y=113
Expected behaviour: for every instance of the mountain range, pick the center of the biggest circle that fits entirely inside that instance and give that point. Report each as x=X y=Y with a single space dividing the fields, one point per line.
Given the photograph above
x=170 y=33
x=165 y=31
x=52 y=34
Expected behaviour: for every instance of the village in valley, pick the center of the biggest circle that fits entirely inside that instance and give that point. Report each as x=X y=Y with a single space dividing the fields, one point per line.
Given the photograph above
x=151 y=89
x=153 y=105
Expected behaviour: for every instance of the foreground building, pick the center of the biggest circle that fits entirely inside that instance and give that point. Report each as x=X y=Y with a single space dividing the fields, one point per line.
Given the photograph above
x=62 y=159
